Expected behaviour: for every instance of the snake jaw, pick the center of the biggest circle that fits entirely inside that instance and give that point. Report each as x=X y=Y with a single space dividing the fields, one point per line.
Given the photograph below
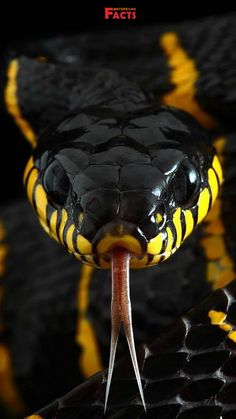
x=121 y=315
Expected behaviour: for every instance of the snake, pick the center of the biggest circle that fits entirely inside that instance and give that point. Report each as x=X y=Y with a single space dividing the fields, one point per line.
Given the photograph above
x=131 y=169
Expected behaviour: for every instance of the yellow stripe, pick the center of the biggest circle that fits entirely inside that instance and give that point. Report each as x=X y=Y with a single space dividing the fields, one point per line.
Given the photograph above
x=218 y=169
x=213 y=183
x=169 y=240
x=220 y=267
x=28 y=167
x=34 y=417
x=155 y=260
x=178 y=227
x=53 y=226
x=218 y=319
x=189 y=221
x=83 y=245
x=184 y=76
x=90 y=361
x=12 y=104
x=64 y=218
x=31 y=184
x=8 y=392
x=203 y=204
x=69 y=238
x=41 y=202
x=155 y=245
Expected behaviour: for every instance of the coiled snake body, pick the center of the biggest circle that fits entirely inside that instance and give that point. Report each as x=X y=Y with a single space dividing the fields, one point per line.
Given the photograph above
x=123 y=167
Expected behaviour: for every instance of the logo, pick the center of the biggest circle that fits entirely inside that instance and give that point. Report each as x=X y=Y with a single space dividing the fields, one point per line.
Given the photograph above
x=120 y=13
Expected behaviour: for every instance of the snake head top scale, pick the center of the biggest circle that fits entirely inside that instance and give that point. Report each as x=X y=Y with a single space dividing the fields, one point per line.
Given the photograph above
x=123 y=189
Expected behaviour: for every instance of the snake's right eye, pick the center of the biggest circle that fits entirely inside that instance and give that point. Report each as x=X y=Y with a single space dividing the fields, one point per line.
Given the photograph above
x=56 y=183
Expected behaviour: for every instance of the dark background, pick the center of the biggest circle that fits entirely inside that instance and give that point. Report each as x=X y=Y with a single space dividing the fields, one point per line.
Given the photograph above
x=23 y=22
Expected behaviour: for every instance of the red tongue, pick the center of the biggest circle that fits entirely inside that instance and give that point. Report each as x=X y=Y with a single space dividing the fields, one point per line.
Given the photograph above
x=121 y=315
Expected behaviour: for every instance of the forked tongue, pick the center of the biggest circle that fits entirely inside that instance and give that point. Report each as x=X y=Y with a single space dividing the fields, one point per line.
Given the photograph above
x=121 y=315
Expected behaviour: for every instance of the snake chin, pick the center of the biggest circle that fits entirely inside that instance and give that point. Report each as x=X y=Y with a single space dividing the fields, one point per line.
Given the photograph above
x=137 y=261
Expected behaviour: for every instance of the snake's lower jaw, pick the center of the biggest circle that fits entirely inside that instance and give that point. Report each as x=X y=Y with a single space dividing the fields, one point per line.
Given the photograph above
x=143 y=251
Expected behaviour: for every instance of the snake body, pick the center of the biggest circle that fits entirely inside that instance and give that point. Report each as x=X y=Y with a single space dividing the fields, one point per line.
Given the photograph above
x=121 y=158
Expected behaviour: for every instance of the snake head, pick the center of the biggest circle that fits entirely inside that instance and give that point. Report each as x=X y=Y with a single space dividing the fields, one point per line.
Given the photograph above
x=101 y=180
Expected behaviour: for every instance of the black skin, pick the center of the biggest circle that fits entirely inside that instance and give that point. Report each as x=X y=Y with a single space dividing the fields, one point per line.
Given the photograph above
x=113 y=167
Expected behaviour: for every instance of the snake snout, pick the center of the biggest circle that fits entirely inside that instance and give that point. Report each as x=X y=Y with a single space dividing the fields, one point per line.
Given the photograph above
x=119 y=233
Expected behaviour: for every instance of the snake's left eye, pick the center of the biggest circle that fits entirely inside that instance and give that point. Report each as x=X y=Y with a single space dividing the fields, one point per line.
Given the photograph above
x=56 y=183
x=185 y=185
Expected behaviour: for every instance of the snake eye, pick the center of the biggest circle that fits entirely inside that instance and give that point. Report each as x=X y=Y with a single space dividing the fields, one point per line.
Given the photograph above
x=185 y=185
x=56 y=183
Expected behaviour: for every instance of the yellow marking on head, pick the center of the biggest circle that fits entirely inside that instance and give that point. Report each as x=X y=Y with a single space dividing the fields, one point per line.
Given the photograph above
x=12 y=104
x=217 y=167
x=32 y=179
x=69 y=237
x=53 y=225
x=41 y=202
x=159 y=218
x=64 y=218
x=81 y=217
x=203 y=204
x=83 y=245
x=28 y=167
x=169 y=240
x=90 y=360
x=126 y=241
x=213 y=183
x=218 y=318
x=178 y=227
x=184 y=76
x=189 y=221
x=89 y=259
x=155 y=245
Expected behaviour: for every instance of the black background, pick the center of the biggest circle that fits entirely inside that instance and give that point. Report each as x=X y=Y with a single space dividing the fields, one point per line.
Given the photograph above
x=23 y=22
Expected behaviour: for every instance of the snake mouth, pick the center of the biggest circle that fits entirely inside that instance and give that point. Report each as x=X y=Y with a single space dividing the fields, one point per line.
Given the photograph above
x=137 y=260
x=127 y=236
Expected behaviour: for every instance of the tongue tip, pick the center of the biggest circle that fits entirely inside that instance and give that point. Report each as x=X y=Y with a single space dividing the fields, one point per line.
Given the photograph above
x=121 y=314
